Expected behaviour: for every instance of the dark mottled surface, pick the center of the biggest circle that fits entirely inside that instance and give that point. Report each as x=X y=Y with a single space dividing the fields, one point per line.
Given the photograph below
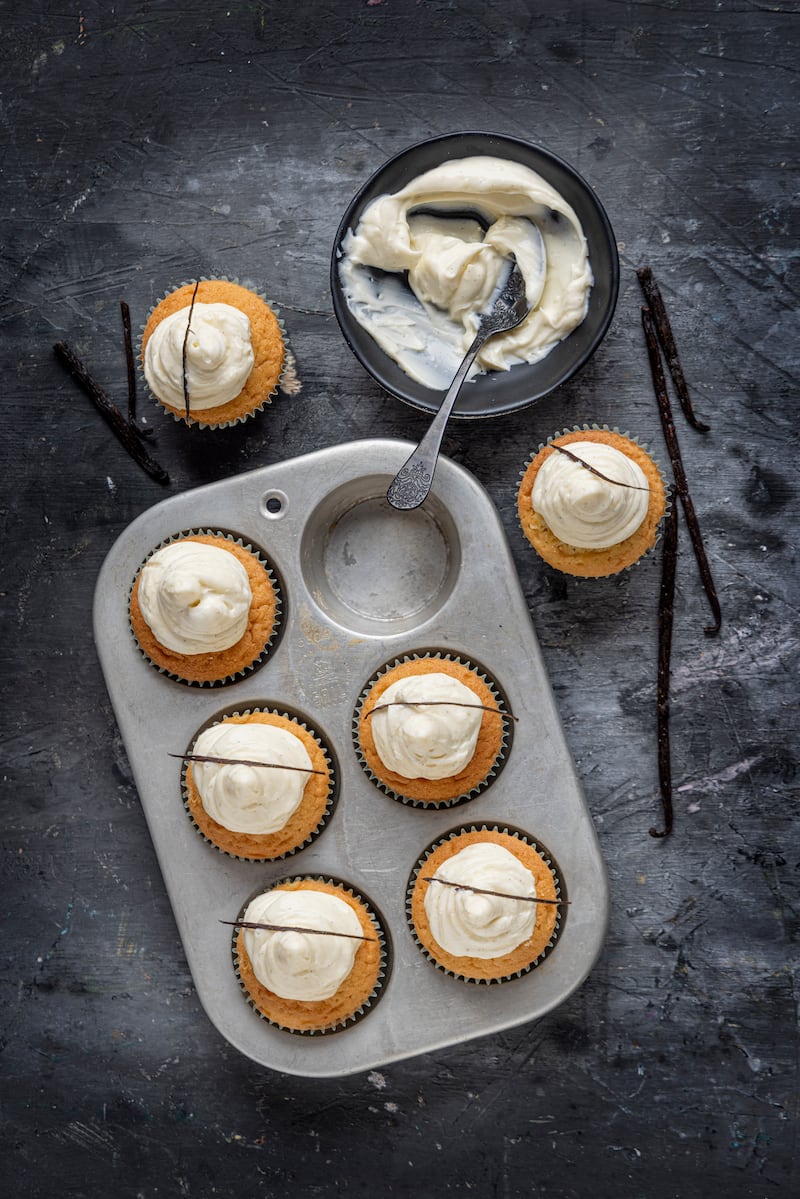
x=144 y=143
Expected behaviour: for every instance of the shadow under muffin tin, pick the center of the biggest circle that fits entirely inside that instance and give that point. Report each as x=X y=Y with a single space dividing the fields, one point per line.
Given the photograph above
x=362 y=585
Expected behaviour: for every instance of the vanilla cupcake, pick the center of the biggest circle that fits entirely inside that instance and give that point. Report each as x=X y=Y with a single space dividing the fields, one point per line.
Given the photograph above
x=484 y=904
x=590 y=502
x=266 y=789
x=322 y=962
x=217 y=346
x=431 y=731
x=204 y=608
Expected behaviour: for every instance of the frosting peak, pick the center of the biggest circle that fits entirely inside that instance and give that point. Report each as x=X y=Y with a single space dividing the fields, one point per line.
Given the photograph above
x=195 y=597
x=219 y=356
x=243 y=798
x=421 y=741
x=584 y=510
x=300 y=965
x=469 y=924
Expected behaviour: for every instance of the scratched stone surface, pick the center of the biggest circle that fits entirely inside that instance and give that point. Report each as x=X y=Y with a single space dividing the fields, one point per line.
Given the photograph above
x=149 y=143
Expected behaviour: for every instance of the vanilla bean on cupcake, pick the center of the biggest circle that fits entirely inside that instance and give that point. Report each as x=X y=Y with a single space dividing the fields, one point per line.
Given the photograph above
x=204 y=608
x=590 y=502
x=265 y=788
x=431 y=730
x=322 y=961
x=212 y=352
x=484 y=904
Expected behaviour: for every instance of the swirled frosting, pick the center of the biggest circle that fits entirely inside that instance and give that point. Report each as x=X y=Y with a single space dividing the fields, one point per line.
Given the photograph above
x=584 y=510
x=416 y=273
x=426 y=741
x=468 y=924
x=301 y=965
x=219 y=356
x=243 y=798
x=195 y=597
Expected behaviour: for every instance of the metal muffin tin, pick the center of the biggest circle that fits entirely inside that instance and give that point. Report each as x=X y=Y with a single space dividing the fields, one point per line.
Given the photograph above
x=362 y=584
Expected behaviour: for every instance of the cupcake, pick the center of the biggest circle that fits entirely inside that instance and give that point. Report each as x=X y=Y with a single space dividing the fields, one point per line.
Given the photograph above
x=258 y=812
x=217 y=343
x=204 y=608
x=590 y=502
x=322 y=963
x=431 y=731
x=472 y=904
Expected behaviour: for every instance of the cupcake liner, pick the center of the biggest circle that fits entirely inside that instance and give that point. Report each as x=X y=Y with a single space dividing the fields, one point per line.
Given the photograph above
x=277 y=626
x=506 y=738
x=547 y=857
x=583 y=579
x=366 y=1006
x=287 y=374
x=333 y=784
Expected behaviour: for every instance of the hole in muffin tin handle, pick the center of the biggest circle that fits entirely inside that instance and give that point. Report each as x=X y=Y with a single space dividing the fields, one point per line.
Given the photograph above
x=274 y=504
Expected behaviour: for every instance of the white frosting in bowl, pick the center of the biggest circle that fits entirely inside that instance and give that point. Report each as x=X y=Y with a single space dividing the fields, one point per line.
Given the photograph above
x=433 y=738
x=302 y=965
x=416 y=272
x=195 y=597
x=468 y=924
x=219 y=356
x=584 y=510
x=246 y=799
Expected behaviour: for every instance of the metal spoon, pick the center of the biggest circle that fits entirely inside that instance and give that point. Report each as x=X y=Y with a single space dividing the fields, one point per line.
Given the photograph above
x=411 y=484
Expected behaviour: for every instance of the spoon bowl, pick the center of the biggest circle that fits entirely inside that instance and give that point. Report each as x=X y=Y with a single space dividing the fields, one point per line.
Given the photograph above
x=413 y=481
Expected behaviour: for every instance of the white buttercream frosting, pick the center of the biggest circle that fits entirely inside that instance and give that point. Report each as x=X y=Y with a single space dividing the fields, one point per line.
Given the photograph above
x=195 y=597
x=246 y=799
x=468 y=924
x=427 y=318
x=302 y=965
x=219 y=356
x=584 y=510
x=426 y=740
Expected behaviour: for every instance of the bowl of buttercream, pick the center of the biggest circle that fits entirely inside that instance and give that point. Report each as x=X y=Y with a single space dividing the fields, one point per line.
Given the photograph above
x=425 y=245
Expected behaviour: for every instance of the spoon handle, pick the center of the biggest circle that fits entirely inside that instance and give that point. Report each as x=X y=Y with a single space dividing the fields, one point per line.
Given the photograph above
x=411 y=484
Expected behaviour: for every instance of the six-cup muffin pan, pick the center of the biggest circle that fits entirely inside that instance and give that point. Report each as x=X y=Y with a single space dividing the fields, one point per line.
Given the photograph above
x=362 y=585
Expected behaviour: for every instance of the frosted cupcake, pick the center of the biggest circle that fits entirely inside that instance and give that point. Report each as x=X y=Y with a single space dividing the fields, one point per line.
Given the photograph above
x=484 y=904
x=266 y=789
x=204 y=608
x=320 y=965
x=212 y=352
x=590 y=502
x=431 y=731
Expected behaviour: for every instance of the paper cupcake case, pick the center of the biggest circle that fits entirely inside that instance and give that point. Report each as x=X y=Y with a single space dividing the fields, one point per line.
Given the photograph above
x=384 y=968
x=333 y=785
x=560 y=888
x=582 y=579
x=505 y=740
x=288 y=367
x=277 y=625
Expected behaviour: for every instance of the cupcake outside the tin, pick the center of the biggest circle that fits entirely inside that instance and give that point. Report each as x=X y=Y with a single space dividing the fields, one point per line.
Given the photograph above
x=205 y=608
x=323 y=964
x=259 y=813
x=590 y=502
x=472 y=904
x=431 y=731
x=217 y=344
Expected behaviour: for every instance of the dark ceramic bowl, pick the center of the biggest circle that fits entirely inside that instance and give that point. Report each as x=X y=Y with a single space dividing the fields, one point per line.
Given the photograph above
x=498 y=391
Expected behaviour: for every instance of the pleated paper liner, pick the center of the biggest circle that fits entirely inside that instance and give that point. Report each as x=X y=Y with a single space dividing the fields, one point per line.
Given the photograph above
x=483 y=779
x=491 y=832
x=260 y=998
x=322 y=805
x=205 y=418
x=228 y=675
x=634 y=555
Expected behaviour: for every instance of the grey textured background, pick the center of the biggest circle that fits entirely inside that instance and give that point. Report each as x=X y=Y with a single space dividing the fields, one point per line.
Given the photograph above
x=147 y=143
